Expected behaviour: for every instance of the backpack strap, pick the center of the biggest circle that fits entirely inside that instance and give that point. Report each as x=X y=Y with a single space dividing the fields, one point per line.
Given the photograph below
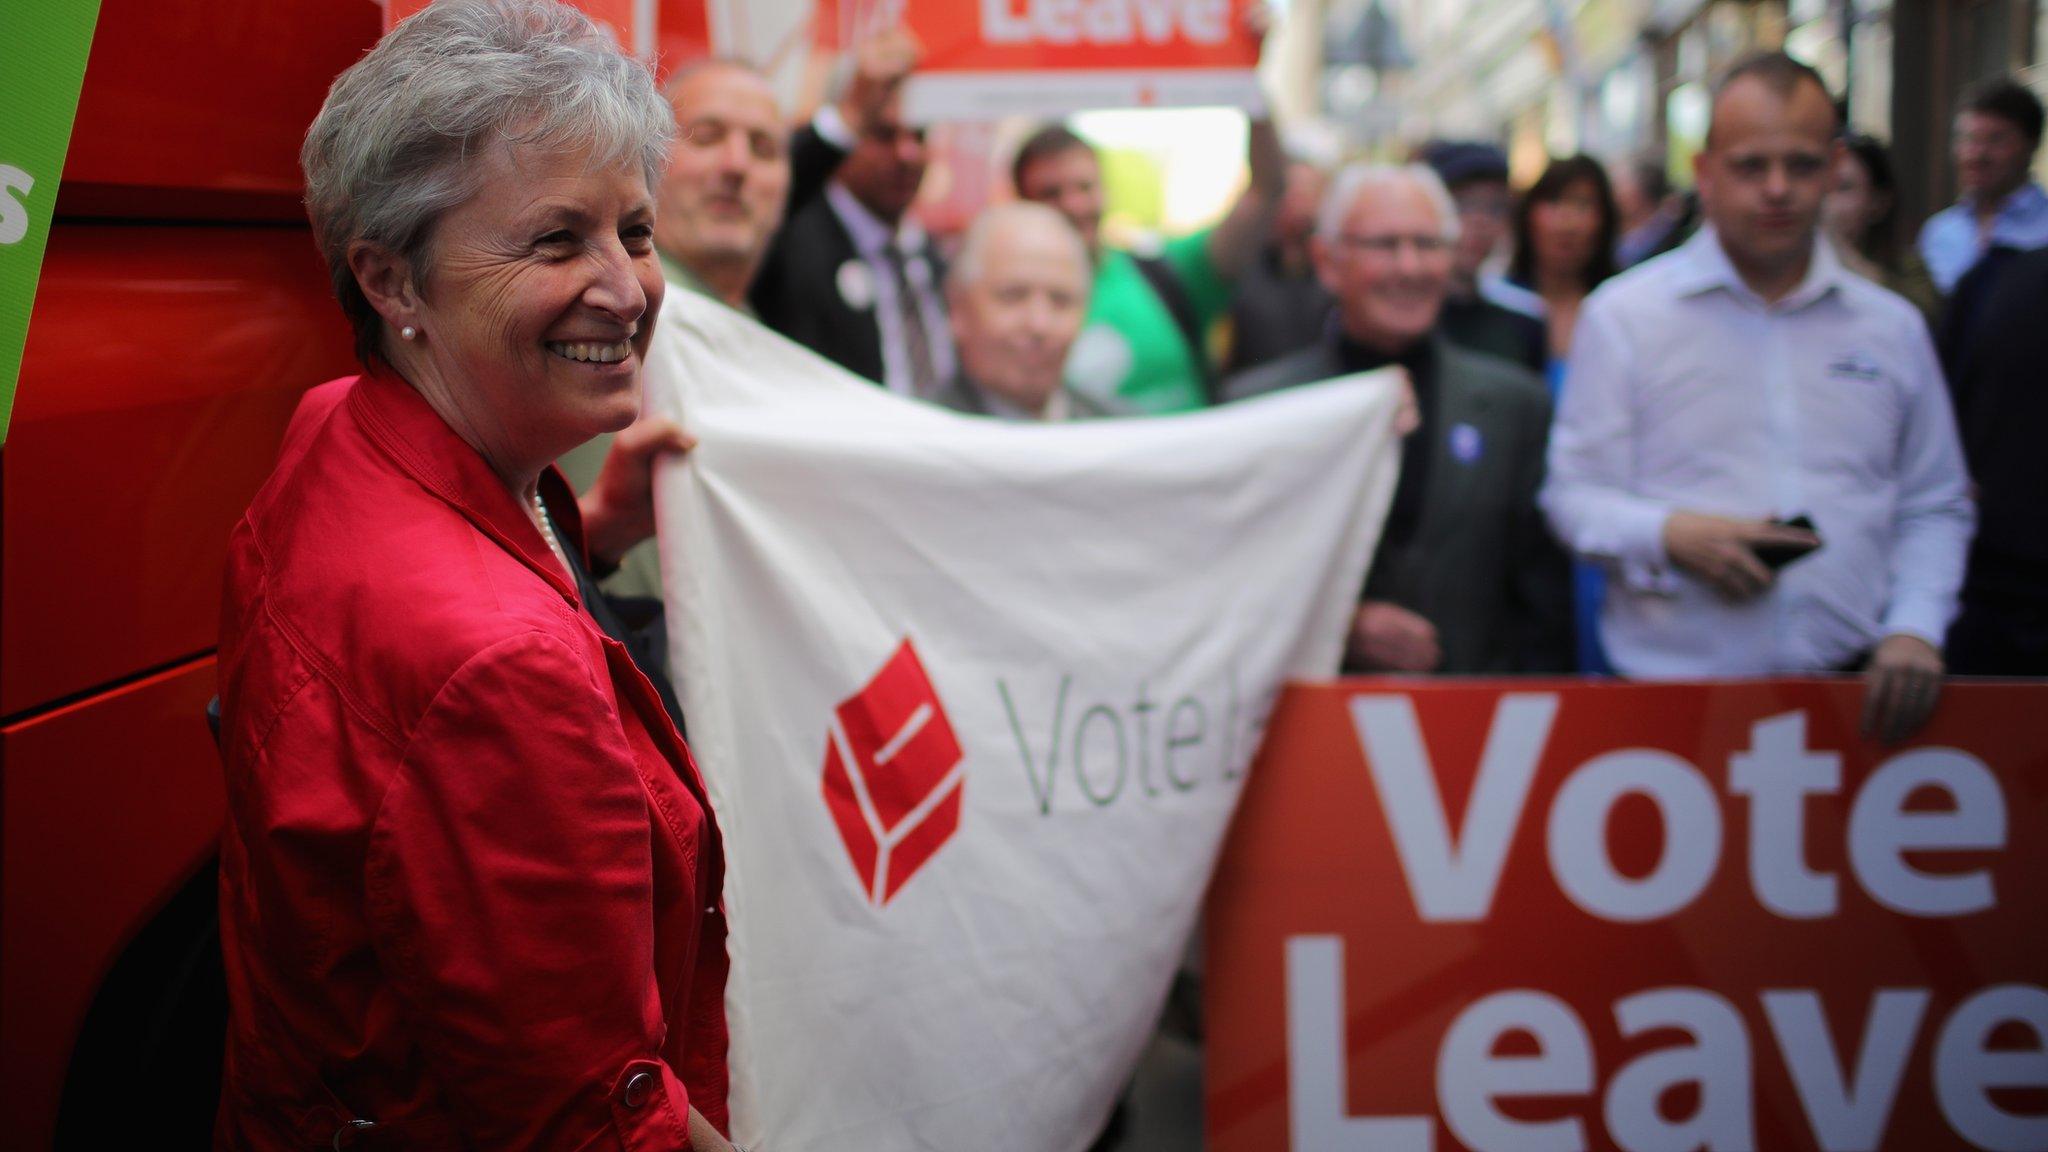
x=1166 y=284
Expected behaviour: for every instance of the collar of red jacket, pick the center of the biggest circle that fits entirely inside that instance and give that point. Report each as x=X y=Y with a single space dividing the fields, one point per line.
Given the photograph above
x=398 y=418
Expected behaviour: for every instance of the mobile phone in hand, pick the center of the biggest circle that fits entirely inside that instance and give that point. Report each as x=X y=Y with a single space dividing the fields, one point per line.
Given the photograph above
x=1775 y=556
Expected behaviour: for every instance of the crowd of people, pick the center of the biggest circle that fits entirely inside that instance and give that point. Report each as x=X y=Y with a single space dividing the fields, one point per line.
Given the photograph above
x=1547 y=518
x=470 y=875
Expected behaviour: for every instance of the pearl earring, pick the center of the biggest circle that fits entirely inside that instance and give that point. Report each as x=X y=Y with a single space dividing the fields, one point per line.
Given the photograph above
x=409 y=332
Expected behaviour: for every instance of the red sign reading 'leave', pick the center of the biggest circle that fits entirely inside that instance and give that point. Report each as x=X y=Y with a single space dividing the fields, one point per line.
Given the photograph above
x=1542 y=916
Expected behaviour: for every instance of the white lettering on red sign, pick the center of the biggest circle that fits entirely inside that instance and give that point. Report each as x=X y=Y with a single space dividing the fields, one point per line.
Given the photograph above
x=13 y=212
x=1882 y=831
x=1470 y=1077
x=1845 y=1111
x=1716 y=1057
x=1778 y=774
x=1316 y=1116
x=1104 y=21
x=1967 y=1068
x=1453 y=878
x=1692 y=835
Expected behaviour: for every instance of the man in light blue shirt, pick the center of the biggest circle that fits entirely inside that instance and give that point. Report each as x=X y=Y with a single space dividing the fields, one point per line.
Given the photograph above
x=1747 y=378
x=1997 y=132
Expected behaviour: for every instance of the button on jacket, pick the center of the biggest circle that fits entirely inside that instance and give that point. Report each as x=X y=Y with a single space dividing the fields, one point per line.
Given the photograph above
x=468 y=873
x=1685 y=390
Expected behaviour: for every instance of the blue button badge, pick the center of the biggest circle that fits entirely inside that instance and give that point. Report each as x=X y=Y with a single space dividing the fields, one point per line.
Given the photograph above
x=1466 y=443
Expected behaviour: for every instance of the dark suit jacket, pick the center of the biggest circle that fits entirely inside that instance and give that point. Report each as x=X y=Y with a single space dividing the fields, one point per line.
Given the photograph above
x=1484 y=326
x=797 y=290
x=1275 y=314
x=2001 y=399
x=812 y=162
x=1481 y=564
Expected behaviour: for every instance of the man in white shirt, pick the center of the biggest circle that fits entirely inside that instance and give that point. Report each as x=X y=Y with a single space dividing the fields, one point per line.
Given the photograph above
x=1747 y=378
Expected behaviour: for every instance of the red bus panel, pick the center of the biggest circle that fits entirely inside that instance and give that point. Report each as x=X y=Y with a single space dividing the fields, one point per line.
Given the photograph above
x=198 y=110
x=162 y=364
x=120 y=797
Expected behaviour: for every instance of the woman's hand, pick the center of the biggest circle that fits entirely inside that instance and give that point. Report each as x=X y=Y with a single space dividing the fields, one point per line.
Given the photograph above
x=618 y=511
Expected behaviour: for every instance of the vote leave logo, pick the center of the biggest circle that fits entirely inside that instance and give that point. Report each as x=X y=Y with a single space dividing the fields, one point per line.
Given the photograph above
x=892 y=775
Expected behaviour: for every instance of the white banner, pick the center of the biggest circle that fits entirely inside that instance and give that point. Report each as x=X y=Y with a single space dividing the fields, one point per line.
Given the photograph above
x=974 y=701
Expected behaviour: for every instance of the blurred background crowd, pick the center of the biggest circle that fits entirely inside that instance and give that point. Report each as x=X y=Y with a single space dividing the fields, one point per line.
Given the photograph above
x=1452 y=189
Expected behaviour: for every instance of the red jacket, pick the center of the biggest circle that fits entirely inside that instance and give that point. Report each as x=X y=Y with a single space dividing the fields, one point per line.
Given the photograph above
x=468 y=877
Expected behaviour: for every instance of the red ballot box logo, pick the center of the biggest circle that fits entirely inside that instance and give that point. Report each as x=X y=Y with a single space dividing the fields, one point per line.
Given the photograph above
x=892 y=775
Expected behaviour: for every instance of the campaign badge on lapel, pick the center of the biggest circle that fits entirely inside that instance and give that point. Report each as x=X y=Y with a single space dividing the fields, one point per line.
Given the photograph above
x=1466 y=443
x=856 y=284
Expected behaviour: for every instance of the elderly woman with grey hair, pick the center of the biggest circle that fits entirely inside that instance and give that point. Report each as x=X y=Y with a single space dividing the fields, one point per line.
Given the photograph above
x=470 y=880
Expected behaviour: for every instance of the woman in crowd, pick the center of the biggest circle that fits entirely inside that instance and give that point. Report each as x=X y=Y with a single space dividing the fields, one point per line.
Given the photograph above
x=1859 y=217
x=469 y=880
x=1565 y=228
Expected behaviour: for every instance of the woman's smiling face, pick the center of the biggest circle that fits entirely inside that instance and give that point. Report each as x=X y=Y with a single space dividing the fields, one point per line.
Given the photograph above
x=539 y=301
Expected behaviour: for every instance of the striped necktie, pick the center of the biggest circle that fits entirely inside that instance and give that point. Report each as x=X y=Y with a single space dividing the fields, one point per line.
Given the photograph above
x=924 y=373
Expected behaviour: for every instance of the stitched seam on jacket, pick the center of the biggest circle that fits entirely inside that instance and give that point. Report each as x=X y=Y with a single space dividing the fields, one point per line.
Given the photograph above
x=377 y=907
x=387 y=438
x=284 y=703
x=377 y=910
x=425 y=472
x=331 y=674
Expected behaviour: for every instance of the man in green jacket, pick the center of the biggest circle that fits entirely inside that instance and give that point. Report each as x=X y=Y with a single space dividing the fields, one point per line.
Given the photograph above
x=1144 y=345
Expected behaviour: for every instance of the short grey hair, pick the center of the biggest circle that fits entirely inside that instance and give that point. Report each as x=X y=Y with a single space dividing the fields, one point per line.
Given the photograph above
x=966 y=266
x=394 y=145
x=1356 y=179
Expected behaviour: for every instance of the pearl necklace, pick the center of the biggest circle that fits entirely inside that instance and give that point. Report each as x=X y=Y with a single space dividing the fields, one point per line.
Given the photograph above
x=547 y=532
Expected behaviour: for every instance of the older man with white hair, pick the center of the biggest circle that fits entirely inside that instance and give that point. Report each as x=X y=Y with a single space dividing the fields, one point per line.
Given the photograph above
x=1016 y=296
x=1467 y=578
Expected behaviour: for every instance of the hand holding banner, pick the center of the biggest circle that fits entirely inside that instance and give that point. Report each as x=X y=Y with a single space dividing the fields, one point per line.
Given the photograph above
x=973 y=703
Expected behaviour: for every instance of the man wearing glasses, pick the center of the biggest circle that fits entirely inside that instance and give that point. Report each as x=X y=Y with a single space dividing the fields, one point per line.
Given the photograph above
x=1467 y=578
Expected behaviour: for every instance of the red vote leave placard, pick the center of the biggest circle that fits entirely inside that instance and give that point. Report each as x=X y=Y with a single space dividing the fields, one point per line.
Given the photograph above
x=990 y=58
x=1541 y=915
